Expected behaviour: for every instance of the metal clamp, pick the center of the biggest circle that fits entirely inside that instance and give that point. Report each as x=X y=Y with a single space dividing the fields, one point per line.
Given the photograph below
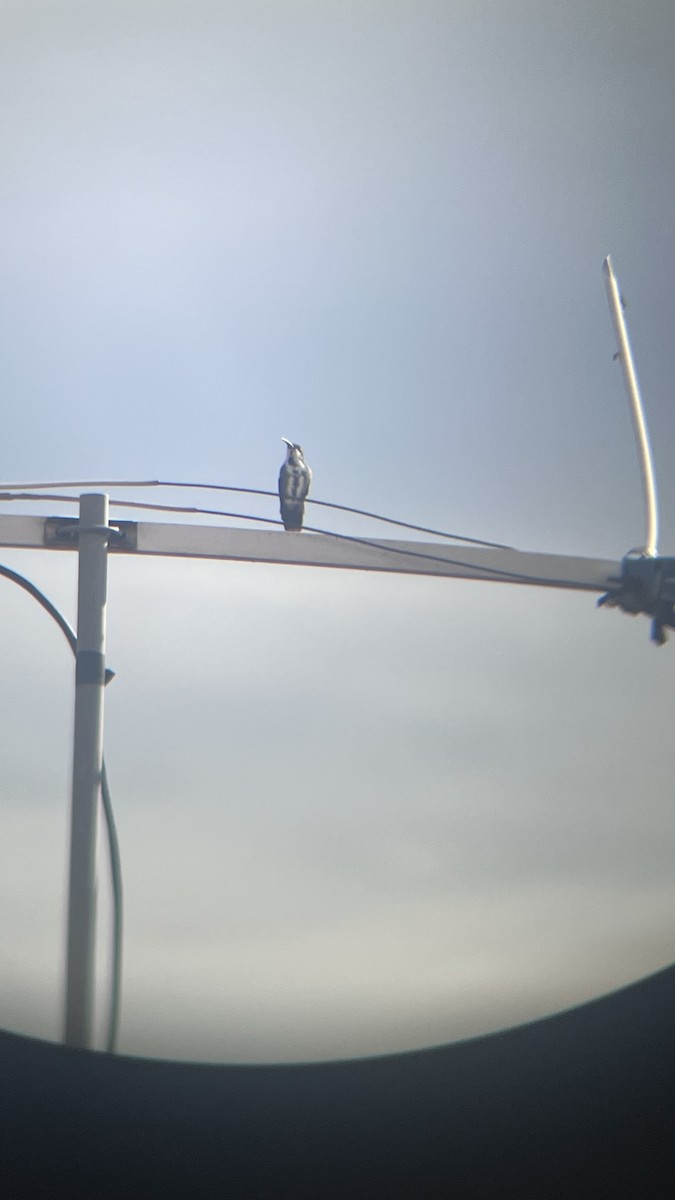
x=65 y=531
x=646 y=585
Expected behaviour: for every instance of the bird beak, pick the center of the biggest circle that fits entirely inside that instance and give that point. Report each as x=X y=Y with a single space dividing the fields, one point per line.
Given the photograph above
x=287 y=442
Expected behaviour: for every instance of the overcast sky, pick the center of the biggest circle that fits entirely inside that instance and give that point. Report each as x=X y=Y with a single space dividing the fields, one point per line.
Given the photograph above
x=357 y=813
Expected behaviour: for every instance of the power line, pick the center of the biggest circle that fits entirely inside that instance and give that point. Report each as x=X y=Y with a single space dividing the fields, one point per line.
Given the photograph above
x=10 y=488
x=116 y=883
x=359 y=541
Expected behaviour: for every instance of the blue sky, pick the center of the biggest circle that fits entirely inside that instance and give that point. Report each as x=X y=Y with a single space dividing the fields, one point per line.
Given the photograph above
x=357 y=813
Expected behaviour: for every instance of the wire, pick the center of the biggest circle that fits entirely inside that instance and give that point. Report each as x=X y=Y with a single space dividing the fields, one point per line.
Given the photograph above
x=359 y=512
x=13 y=487
x=35 y=592
x=39 y=496
x=455 y=537
x=117 y=925
x=515 y=576
x=7 y=488
x=113 y=841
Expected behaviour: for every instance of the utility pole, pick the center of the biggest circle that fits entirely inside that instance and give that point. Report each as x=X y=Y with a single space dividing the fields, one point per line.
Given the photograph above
x=93 y=534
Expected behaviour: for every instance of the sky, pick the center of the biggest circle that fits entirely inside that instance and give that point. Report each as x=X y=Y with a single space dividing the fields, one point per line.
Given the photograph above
x=358 y=813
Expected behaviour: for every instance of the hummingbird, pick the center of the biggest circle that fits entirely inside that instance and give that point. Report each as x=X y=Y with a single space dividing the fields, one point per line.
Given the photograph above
x=294 y=480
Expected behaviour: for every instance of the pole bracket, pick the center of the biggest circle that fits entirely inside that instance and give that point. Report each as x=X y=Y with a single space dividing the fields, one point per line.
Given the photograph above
x=646 y=585
x=65 y=532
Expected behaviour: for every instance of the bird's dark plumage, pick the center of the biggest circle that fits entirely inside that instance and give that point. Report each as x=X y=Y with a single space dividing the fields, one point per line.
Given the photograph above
x=294 y=480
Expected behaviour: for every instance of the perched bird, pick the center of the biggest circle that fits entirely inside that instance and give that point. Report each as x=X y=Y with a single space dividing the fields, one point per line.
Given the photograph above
x=294 y=480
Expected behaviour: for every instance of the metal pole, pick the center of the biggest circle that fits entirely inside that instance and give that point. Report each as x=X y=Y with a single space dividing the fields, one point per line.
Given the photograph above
x=87 y=766
x=637 y=411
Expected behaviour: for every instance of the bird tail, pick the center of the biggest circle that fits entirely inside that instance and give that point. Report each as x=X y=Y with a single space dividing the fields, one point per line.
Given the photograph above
x=292 y=514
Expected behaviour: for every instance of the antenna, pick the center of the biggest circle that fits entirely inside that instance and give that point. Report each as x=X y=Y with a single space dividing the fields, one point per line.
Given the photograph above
x=625 y=354
x=647 y=582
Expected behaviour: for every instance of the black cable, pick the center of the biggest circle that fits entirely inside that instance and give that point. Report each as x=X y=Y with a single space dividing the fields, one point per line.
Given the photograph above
x=35 y=592
x=13 y=491
x=113 y=841
x=511 y=576
x=359 y=512
x=116 y=884
x=219 y=512
x=514 y=576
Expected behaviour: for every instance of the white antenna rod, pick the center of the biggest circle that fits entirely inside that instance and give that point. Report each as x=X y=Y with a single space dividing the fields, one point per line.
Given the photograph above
x=637 y=412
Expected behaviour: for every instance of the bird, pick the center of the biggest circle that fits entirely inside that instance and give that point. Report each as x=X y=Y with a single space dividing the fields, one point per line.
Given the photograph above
x=294 y=480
